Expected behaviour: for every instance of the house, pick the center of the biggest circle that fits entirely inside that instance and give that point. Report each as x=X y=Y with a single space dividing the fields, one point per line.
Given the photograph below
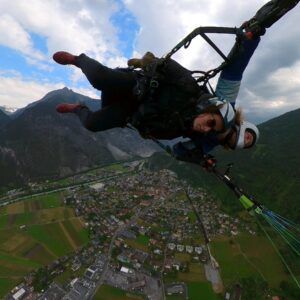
x=198 y=250
x=180 y=248
x=189 y=249
x=19 y=294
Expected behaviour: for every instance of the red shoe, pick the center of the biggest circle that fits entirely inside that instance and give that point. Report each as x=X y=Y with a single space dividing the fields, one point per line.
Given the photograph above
x=67 y=107
x=64 y=58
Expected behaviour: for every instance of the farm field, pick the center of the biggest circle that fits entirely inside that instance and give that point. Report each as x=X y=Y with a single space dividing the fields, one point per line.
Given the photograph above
x=241 y=257
x=33 y=233
x=106 y=292
x=201 y=288
x=137 y=245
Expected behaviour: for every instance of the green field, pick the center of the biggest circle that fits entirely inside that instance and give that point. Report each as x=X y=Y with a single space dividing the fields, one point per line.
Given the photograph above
x=175 y=297
x=196 y=274
x=33 y=204
x=78 y=234
x=136 y=245
x=192 y=217
x=143 y=240
x=3 y=211
x=7 y=258
x=6 y=285
x=44 y=201
x=64 y=278
x=52 y=237
x=201 y=291
x=115 y=167
x=247 y=256
x=106 y=292
x=50 y=231
x=183 y=257
x=3 y=221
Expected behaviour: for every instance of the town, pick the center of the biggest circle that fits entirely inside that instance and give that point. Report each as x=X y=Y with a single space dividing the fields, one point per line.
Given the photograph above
x=144 y=238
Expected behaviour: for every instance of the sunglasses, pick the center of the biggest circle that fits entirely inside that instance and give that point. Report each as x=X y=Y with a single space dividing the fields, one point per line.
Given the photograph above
x=211 y=123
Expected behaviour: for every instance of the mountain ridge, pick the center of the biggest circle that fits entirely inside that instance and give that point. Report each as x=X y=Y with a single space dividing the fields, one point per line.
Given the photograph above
x=38 y=143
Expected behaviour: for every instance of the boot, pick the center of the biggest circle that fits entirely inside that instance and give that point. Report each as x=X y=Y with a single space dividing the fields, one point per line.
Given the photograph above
x=68 y=107
x=64 y=58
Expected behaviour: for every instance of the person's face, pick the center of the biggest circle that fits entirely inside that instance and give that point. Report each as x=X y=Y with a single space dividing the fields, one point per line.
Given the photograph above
x=208 y=122
x=248 y=139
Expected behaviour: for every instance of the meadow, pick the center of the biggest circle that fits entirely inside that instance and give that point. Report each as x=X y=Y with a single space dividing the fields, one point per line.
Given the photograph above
x=247 y=255
x=106 y=292
x=33 y=233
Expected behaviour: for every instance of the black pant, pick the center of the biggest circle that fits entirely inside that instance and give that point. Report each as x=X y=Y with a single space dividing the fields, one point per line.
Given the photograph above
x=118 y=100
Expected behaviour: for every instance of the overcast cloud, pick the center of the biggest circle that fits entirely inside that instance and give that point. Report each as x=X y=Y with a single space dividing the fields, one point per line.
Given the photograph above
x=113 y=31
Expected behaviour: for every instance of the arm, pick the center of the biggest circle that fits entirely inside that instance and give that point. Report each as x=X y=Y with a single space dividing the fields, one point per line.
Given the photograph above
x=273 y=10
x=240 y=55
x=195 y=150
x=230 y=78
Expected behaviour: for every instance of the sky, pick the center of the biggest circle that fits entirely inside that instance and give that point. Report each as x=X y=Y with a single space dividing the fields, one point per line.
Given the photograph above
x=112 y=31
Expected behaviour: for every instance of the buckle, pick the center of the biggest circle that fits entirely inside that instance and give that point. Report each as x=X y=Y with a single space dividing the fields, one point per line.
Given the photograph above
x=154 y=83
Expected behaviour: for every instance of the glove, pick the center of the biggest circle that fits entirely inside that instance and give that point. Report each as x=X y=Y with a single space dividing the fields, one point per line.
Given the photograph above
x=209 y=163
x=253 y=29
x=143 y=62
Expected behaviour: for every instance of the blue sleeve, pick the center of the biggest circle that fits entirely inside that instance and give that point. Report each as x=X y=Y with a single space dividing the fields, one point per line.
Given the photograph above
x=187 y=151
x=230 y=78
x=194 y=150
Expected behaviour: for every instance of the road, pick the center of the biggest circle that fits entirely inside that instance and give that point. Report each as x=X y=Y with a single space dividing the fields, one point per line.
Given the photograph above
x=213 y=275
x=211 y=271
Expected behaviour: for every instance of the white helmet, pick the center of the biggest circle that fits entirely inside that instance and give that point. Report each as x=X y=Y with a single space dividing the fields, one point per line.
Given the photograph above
x=240 y=134
x=228 y=114
x=226 y=110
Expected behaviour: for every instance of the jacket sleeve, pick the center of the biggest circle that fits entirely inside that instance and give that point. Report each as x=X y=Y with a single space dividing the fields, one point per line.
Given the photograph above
x=228 y=85
x=188 y=151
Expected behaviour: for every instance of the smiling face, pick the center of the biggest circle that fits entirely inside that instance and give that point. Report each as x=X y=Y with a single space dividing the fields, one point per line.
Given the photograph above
x=208 y=122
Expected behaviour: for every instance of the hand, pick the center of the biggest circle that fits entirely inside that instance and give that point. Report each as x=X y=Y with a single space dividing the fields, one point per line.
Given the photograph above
x=209 y=163
x=143 y=62
x=253 y=29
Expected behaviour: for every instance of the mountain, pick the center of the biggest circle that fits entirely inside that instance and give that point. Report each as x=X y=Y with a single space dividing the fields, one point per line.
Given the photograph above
x=39 y=143
x=270 y=172
x=4 y=118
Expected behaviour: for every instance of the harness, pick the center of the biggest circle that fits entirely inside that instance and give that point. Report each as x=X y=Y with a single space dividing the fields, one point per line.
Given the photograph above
x=187 y=94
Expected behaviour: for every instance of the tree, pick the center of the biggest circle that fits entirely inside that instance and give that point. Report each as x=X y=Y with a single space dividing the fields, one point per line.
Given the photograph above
x=289 y=291
x=253 y=288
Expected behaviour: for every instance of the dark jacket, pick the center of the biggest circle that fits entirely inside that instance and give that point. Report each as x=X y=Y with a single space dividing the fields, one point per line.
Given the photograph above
x=168 y=108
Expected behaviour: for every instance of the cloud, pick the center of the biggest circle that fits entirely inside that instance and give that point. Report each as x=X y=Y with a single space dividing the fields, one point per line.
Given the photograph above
x=276 y=94
x=164 y=23
x=71 y=25
x=13 y=35
x=266 y=88
x=17 y=92
x=76 y=26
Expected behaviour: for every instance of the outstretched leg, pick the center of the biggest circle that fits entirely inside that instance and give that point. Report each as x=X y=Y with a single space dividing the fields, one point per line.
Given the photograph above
x=112 y=116
x=100 y=76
